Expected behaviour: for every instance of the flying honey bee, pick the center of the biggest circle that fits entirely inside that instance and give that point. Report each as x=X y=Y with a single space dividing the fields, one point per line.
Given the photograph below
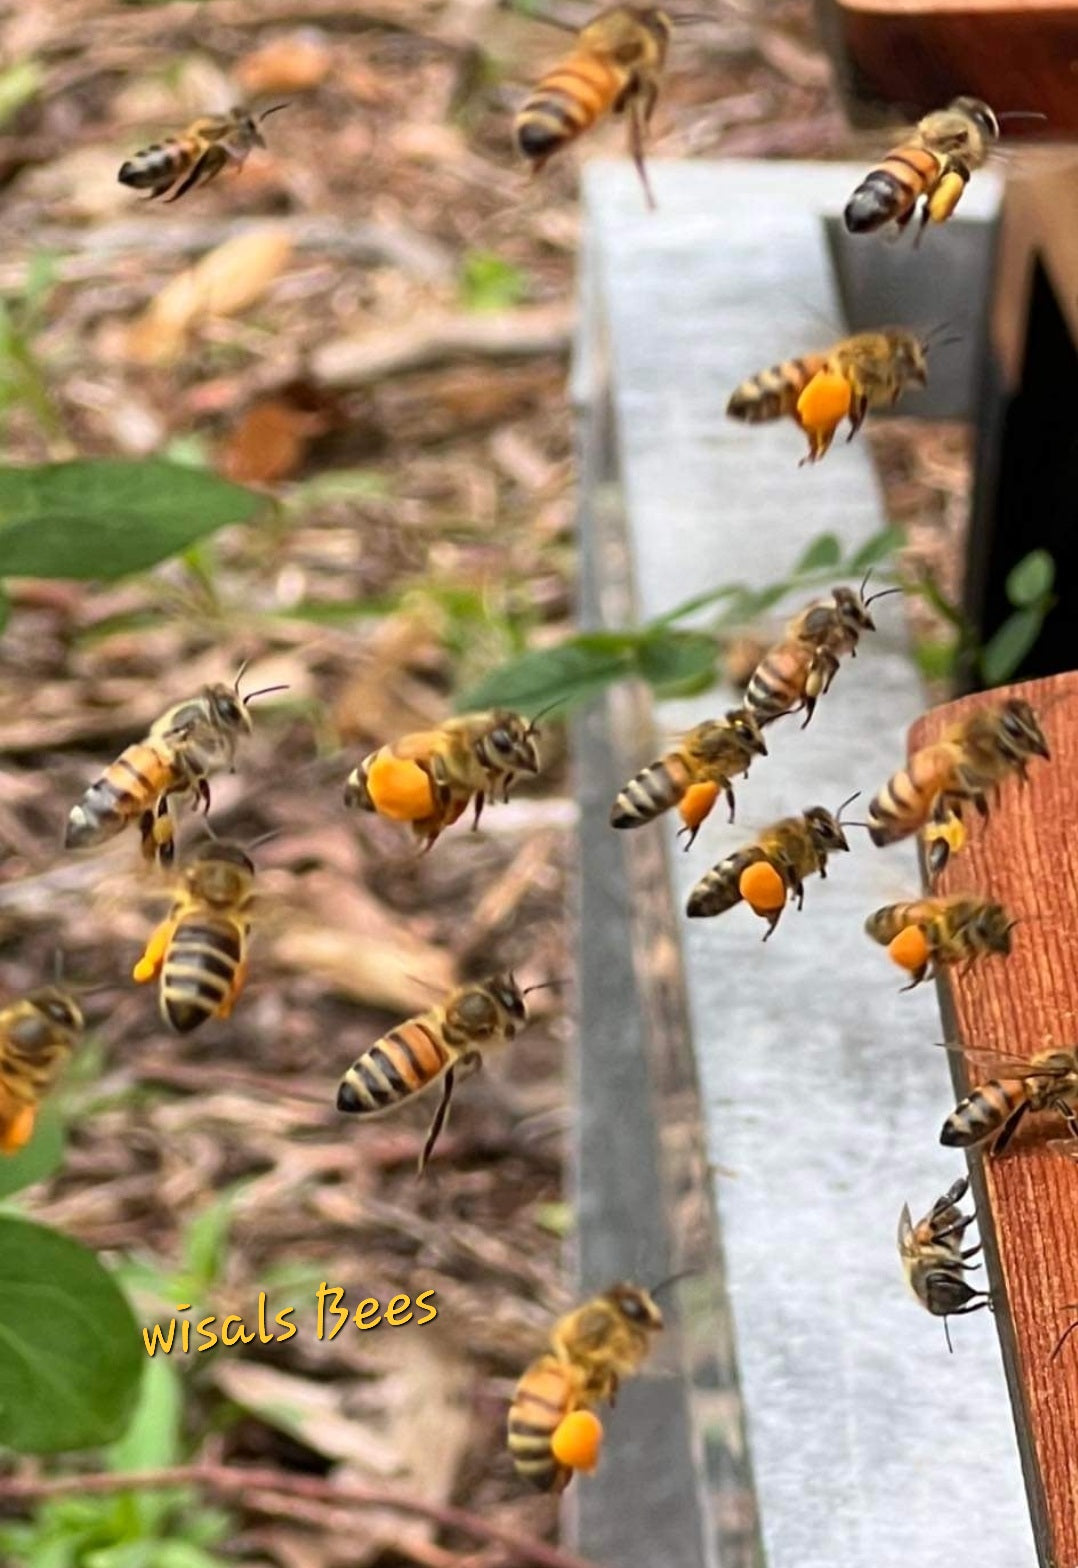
x=37 y=1035
x=438 y=1043
x=591 y=1350
x=934 y=1260
x=1047 y=1082
x=712 y=753
x=197 y=155
x=957 y=928
x=974 y=758
x=199 y=952
x=867 y=370
x=429 y=778
x=615 y=67
x=933 y=166
x=193 y=739
x=794 y=848
x=796 y=672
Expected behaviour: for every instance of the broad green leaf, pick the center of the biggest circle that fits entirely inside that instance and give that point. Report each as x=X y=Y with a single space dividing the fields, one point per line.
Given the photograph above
x=824 y=552
x=566 y=675
x=1008 y=646
x=104 y=517
x=671 y=659
x=875 y=549
x=70 y=1352
x=42 y=1155
x=5 y=608
x=1031 y=579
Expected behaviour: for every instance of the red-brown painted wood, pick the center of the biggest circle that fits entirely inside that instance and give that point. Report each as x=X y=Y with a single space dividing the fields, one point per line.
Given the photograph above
x=1026 y=857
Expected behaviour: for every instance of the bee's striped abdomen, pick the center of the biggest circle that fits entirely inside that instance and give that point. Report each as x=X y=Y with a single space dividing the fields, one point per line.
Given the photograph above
x=398 y=1065
x=199 y=973
x=567 y=101
x=778 y=682
x=983 y=1112
x=653 y=790
x=128 y=786
x=891 y=191
x=162 y=160
x=774 y=392
x=543 y=1398
x=718 y=890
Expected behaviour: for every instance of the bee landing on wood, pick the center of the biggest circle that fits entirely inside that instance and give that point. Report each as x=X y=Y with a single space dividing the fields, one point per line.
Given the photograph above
x=691 y=777
x=996 y=1108
x=197 y=155
x=615 y=68
x=973 y=760
x=929 y=934
x=934 y=1261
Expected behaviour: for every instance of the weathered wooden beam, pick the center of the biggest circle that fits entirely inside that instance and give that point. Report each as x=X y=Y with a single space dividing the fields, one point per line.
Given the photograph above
x=1026 y=858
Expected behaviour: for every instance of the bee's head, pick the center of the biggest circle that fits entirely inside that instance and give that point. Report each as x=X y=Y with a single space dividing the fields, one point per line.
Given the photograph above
x=1020 y=725
x=507 y=993
x=825 y=829
x=852 y=610
x=511 y=739
x=977 y=110
x=745 y=727
x=219 y=872
x=635 y=1305
x=59 y=1007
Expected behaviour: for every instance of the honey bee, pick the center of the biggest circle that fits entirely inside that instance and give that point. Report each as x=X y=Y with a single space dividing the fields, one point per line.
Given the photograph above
x=37 y=1035
x=974 y=758
x=199 y=953
x=591 y=1350
x=876 y=368
x=934 y=1261
x=935 y=163
x=798 y=671
x=615 y=67
x=438 y=1043
x=184 y=746
x=794 y=847
x=477 y=755
x=711 y=753
x=959 y=927
x=1047 y=1082
x=197 y=155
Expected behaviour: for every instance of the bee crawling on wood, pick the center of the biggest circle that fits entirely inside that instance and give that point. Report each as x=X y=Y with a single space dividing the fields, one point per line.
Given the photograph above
x=934 y=1261
x=924 y=934
x=997 y=1107
x=197 y=155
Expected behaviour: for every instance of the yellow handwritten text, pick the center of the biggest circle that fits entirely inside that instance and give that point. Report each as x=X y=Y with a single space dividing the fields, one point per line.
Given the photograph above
x=330 y=1317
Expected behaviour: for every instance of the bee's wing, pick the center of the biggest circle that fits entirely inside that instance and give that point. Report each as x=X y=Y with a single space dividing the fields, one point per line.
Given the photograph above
x=905 y=1228
x=993 y=1064
x=206 y=168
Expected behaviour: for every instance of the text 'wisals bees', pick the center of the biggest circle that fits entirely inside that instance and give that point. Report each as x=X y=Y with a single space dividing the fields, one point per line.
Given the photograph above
x=331 y=1313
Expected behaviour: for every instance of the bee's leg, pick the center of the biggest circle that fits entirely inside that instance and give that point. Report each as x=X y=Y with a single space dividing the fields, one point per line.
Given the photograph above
x=162 y=836
x=438 y=1123
x=479 y=802
x=773 y=916
x=509 y=779
x=205 y=169
x=149 y=965
x=640 y=107
x=728 y=791
x=145 y=827
x=917 y=977
x=232 y=996
x=858 y=410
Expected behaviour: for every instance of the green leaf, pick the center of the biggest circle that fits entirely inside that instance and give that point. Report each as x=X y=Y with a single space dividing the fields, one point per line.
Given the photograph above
x=567 y=675
x=489 y=283
x=936 y=657
x=205 y=1242
x=42 y=1155
x=876 y=548
x=1008 y=646
x=674 y=660
x=1032 y=579
x=699 y=601
x=754 y=602
x=824 y=552
x=70 y=1352
x=104 y=517
x=152 y=1440
x=5 y=608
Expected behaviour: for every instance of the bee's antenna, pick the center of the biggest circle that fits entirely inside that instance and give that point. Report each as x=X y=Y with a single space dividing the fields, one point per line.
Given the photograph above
x=545 y=985
x=1067 y=1332
x=277 y=107
x=947 y=1334
x=532 y=15
x=847 y=802
x=1021 y=114
x=263 y=691
x=533 y=724
x=672 y=1279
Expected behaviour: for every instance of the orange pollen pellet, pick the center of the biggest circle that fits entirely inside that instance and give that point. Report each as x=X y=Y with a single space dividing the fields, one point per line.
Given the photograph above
x=909 y=949
x=762 y=888
x=696 y=804
x=577 y=1439
x=824 y=401
x=399 y=788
